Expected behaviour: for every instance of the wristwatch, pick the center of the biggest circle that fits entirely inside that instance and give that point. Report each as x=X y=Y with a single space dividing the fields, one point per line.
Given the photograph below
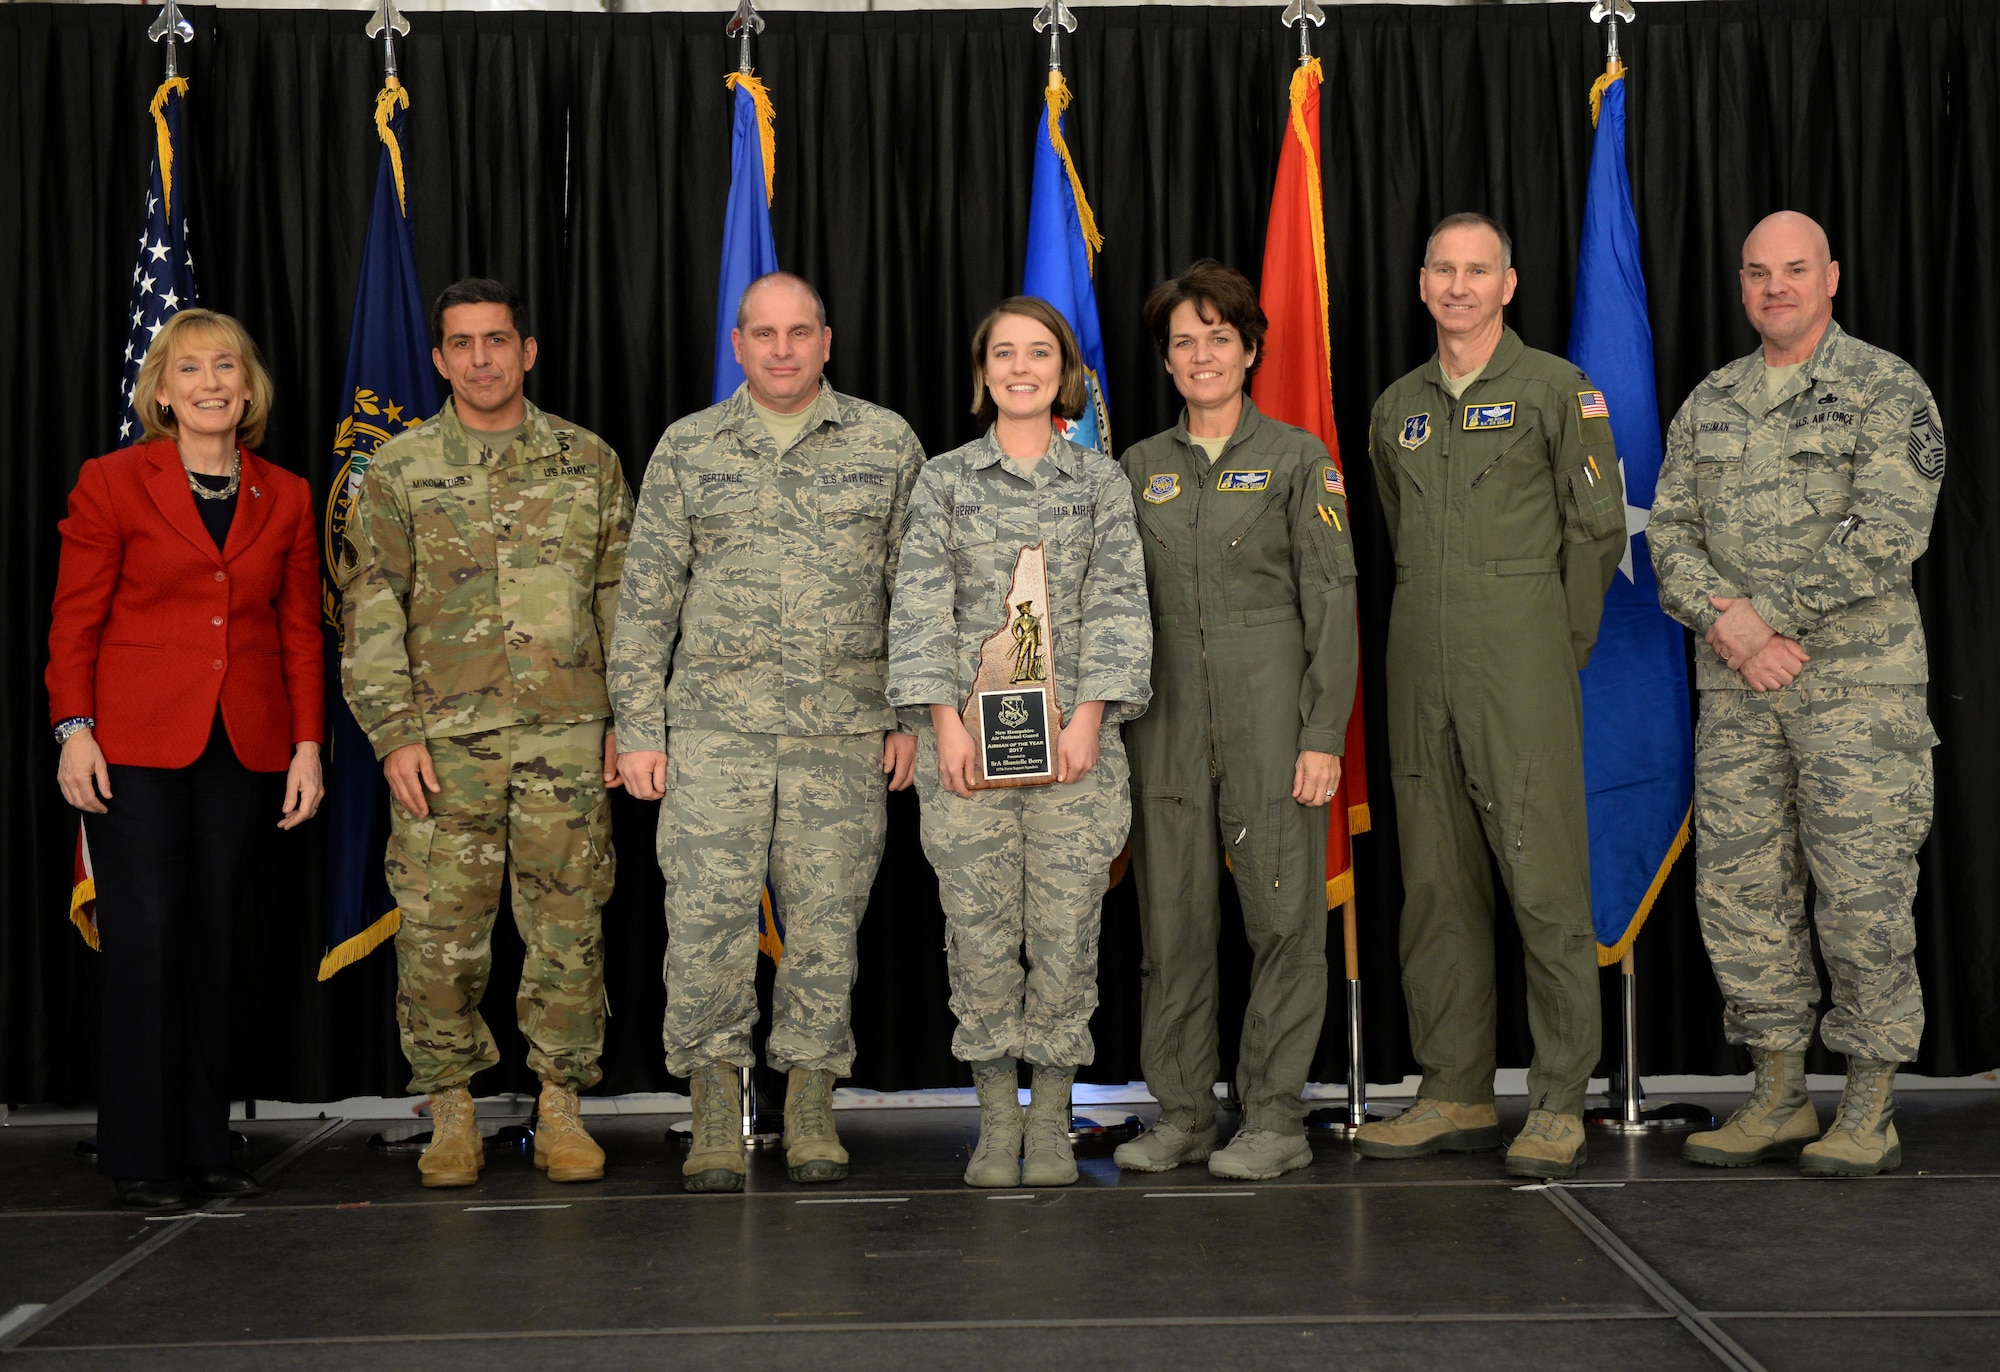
x=74 y=724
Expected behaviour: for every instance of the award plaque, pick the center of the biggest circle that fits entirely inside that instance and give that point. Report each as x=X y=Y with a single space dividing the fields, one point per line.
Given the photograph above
x=1012 y=713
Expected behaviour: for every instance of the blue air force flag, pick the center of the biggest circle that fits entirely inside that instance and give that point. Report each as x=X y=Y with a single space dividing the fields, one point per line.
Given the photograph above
x=748 y=250
x=163 y=279
x=390 y=386
x=1062 y=235
x=1638 y=758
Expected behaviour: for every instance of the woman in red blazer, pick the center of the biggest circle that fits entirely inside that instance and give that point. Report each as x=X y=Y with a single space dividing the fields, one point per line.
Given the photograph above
x=185 y=675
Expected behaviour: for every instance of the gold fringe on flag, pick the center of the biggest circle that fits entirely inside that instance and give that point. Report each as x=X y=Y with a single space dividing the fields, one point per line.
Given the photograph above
x=1340 y=890
x=1058 y=101
x=171 y=86
x=766 y=133
x=80 y=895
x=1304 y=80
x=1613 y=72
x=351 y=951
x=1608 y=957
x=387 y=100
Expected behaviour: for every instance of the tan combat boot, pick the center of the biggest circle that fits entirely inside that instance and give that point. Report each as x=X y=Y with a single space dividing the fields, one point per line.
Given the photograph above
x=1047 y=1159
x=1549 y=1145
x=1776 y=1122
x=715 y=1138
x=812 y=1149
x=1430 y=1126
x=456 y=1152
x=562 y=1148
x=996 y=1161
x=1863 y=1139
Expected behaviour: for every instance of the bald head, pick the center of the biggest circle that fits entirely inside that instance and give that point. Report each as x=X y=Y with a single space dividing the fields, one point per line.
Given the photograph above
x=1789 y=280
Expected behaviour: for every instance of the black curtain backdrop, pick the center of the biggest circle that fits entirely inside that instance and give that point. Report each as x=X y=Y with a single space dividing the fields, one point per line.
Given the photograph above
x=585 y=159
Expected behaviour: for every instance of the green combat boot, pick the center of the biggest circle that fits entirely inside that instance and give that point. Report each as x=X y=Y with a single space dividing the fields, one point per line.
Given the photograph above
x=1164 y=1147
x=1430 y=1126
x=1863 y=1139
x=997 y=1159
x=812 y=1149
x=715 y=1137
x=1776 y=1122
x=1549 y=1145
x=456 y=1152
x=562 y=1147
x=1048 y=1160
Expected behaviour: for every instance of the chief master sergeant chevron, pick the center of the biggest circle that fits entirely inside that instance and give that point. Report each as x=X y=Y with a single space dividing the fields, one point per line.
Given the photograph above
x=1495 y=468
x=487 y=546
x=1798 y=488
x=748 y=672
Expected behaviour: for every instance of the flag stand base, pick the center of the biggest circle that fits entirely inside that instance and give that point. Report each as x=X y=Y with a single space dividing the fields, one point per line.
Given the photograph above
x=1083 y=1129
x=754 y=1136
x=1627 y=1113
x=1342 y=1122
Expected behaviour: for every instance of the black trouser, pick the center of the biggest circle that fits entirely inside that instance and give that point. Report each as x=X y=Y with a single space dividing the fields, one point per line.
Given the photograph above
x=168 y=859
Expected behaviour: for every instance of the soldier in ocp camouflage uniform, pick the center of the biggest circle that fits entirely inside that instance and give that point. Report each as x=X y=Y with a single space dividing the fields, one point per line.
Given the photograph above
x=747 y=672
x=485 y=552
x=1023 y=869
x=1797 y=490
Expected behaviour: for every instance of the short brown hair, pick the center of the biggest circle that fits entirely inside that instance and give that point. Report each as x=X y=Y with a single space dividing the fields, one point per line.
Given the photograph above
x=1075 y=391
x=187 y=330
x=1469 y=219
x=1212 y=289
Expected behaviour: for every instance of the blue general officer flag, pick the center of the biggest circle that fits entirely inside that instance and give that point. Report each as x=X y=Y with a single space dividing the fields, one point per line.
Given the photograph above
x=1638 y=761
x=390 y=386
x=1062 y=235
x=748 y=251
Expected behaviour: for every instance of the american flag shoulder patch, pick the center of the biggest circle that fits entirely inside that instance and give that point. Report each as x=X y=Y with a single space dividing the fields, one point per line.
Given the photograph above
x=1591 y=405
x=1334 y=484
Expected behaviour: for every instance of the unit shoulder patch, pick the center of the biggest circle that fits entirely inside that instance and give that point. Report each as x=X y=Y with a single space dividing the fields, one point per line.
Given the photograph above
x=1161 y=487
x=1416 y=431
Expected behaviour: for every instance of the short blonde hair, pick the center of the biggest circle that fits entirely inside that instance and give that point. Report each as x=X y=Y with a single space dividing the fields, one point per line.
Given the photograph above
x=188 y=330
x=1074 y=392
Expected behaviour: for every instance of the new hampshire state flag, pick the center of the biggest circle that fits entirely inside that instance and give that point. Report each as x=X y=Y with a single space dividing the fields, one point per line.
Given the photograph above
x=390 y=386
x=1638 y=760
x=1062 y=235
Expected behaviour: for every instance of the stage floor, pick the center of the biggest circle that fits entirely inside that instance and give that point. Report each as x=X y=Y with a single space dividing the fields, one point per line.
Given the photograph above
x=1646 y=1262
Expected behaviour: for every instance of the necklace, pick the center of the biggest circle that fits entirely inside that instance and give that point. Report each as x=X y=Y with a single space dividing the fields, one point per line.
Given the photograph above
x=235 y=476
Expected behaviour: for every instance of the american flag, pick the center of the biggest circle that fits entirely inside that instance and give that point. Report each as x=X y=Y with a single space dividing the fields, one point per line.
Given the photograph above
x=1592 y=405
x=163 y=278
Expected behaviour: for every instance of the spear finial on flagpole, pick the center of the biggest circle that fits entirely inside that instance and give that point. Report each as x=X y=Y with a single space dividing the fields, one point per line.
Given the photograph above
x=1056 y=19
x=171 y=28
x=743 y=25
x=1611 y=13
x=388 y=24
x=1299 y=14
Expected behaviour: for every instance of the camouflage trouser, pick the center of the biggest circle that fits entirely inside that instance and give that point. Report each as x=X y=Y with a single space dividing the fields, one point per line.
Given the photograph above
x=810 y=814
x=1835 y=780
x=527 y=802
x=1025 y=868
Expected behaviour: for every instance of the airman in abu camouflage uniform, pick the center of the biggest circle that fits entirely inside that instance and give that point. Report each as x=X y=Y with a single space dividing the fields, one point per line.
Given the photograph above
x=747 y=672
x=486 y=548
x=1023 y=868
x=1797 y=490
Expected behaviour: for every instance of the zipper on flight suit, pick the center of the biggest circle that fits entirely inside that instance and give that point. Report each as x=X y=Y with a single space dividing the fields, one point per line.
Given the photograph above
x=1200 y=618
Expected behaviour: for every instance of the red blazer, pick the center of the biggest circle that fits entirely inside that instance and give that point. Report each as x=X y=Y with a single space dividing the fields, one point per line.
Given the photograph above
x=153 y=627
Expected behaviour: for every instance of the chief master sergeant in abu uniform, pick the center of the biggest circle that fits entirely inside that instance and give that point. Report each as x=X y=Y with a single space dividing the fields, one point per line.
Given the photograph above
x=1798 y=488
x=487 y=544
x=1497 y=476
x=748 y=672
x=1251 y=579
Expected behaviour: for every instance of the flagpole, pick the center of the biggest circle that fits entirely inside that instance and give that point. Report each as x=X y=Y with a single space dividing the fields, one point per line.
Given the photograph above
x=172 y=28
x=388 y=24
x=1628 y=1113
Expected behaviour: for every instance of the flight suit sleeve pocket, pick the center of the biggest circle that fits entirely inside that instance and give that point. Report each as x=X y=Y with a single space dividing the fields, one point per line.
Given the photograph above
x=1597 y=504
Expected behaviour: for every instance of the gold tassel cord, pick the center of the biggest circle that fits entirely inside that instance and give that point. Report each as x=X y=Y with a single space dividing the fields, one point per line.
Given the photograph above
x=173 y=85
x=1615 y=71
x=1058 y=101
x=84 y=893
x=766 y=131
x=1607 y=957
x=1304 y=80
x=361 y=945
x=391 y=97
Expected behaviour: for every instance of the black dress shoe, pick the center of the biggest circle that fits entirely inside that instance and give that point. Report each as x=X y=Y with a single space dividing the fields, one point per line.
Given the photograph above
x=139 y=1193
x=221 y=1181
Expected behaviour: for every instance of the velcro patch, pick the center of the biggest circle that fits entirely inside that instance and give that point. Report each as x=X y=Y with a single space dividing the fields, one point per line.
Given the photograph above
x=1590 y=405
x=1243 y=481
x=1499 y=416
x=1416 y=431
x=1334 y=484
x=1162 y=487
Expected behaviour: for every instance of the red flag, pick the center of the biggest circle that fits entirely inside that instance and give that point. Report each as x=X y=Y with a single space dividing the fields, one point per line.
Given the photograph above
x=83 y=892
x=1295 y=384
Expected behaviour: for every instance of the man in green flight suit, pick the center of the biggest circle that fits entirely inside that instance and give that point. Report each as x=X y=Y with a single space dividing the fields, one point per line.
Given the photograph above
x=1506 y=510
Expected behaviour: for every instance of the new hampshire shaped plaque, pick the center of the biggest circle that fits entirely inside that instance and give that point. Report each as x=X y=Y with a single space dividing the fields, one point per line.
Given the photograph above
x=1012 y=713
